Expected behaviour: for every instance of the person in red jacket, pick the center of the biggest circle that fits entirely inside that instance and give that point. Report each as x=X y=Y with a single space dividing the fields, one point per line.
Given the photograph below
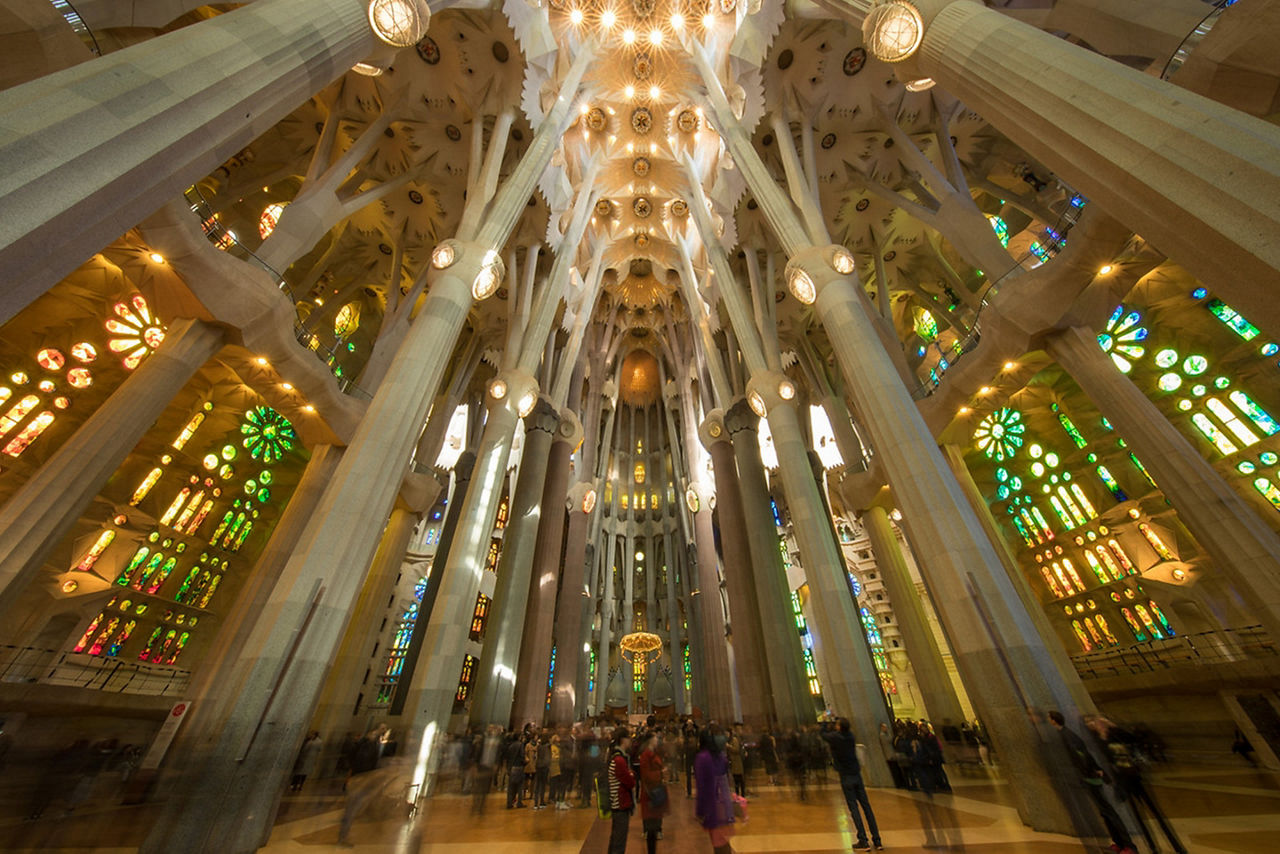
x=653 y=792
x=622 y=784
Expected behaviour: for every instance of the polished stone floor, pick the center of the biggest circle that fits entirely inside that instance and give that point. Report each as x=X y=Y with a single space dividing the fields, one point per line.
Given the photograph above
x=1215 y=809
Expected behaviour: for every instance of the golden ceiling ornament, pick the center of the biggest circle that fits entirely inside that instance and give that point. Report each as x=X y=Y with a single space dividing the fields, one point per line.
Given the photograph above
x=641 y=207
x=687 y=121
x=641 y=644
x=596 y=119
x=604 y=207
x=727 y=6
x=641 y=120
x=679 y=207
x=642 y=239
x=641 y=166
x=642 y=65
x=638 y=378
x=643 y=8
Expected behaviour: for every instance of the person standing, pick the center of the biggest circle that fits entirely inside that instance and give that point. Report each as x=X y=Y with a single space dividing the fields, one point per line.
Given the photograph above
x=713 y=805
x=542 y=771
x=622 y=784
x=733 y=747
x=653 y=791
x=305 y=764
x=769 y=756
x=1092 y=777
x=530 y=740
x=844 y=756
x=1120 y=749
x=891 y=757
x=515 y=773
x=689 y=748
x=362 y=783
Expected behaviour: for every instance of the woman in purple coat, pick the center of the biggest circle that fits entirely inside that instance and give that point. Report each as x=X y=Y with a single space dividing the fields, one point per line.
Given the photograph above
x=713 y=805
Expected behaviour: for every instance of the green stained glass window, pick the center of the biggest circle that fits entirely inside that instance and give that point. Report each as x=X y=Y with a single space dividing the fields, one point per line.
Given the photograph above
x=999 y=435
x=1001 y=229
x=1076 y=436
x=268 y=434
x=926 y=327
x=1167 y=358
x=1170 y=382
x=1232 y=319
x=1194 y=366
x=1255 y=413
x=1122 y=338
x=1211 y=432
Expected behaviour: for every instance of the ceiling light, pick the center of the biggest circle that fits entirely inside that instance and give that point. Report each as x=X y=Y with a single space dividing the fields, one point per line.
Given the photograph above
x=1009 y=366
x=261 y=361
x=986 y=389
x=655 y=37
x=286 y=386
x=654 y=92
x=639 y=555
x=786 y=390
x=677 y=22
x=756 y=402
x=486 y=281
x=964 y=410
x=526 y=403
x=628 y=36
x=842 y=261
x=498 y=389
x=920 y=84
x=576 y=16
x=893 y=32
x=608 y=18
x=1106 y=268
x=399 y=23
x=318 y=301
x=706 y=20
x=630 y=91
x=801 y=286
x=443 y=255
x=156 y=257
x=308 y=408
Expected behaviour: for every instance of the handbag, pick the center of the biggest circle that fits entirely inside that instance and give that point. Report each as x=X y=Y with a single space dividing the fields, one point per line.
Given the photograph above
x=658 y=796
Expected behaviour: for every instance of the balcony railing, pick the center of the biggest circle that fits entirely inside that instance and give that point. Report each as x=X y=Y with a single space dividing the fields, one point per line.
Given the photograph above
x=1193 y=38
x=77 y=670
x=67 y=11
x=1250 y=643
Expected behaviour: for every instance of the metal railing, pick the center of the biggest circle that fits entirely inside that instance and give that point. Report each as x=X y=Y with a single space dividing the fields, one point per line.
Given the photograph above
x=67 y=11
x=1249 y=643
x=226 y=240
x=1193 y=38
x=29 y=665
x=1055 y=238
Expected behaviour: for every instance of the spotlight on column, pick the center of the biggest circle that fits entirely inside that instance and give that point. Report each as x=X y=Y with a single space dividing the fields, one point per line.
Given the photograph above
x=756 y=402
x=367 y=69
x=526 y=403
x=801 y=286
x=920 y=84
x=787 y=390
x=691 y=500
x=1105 y=269
x=893 y=31
x=842 y=261
x=589 y=501
x=498 y=389
x=444 y=255
x=490 y=275
x=156 y=257
x=399 y=23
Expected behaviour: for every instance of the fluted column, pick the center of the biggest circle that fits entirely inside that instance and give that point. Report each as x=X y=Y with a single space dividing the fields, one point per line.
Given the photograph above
x=90 y=151
x=45 y=508
x=461 y=482
x=540 y=616
x=336 y=712
x=1198 y=179
x=1243 y=547
x=498 y=674
x=571 y=599
x=706 y=598
x=746 y=631
x=940 y=698
x=792 y=701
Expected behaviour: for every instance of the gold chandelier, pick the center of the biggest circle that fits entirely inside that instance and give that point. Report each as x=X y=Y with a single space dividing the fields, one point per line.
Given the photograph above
x=640 y=644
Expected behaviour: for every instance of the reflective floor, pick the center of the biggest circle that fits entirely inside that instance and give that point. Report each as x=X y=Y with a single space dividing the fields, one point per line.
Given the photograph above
x=1213 y=808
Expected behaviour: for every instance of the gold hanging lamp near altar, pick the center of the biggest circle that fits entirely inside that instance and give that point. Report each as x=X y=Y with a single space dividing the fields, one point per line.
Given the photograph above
x=640 y=644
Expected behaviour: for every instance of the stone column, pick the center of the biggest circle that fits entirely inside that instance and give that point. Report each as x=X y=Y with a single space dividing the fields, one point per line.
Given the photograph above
x=994 y=640
x=940 y=697
x=706 y=602
x=45 y=508
x=746 y=631
x=679 y=701
x=91 y=150
x=1210 y=199
x=1243 y=547
x=535 y=649
x=570 y=601
x=291 y=649
x=461 y=481
x=498 y=674
x=604 y=640
x=792 y=701
x=852 y=687
x=337 y=708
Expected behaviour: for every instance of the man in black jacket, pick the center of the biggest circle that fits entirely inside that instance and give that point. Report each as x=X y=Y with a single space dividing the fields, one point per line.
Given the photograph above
x=844 y=756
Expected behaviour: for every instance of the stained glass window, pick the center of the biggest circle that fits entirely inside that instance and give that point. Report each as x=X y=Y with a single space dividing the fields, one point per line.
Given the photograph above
x=466 y=678
x=1268 y=490
x=1000 y=434
x=1122 y=337
x=1076 y=436
x=270 y=219
x=135 y=331
x=347 y=320
x=480 y=616
x=95 y=551
x=925 y=325
x=268 y=434
x=1255 y=413
x=1081 y=635
x=1001 y=229
x=1211 y=432
x=1246 y=436
x=1156 y=542
x=1139 y=634
x=1232 y=319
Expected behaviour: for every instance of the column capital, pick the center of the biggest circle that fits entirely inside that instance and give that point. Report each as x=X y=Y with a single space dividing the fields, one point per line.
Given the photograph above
x=712 y=430
x=569 y=430
x=767 y=390
x=813 y=268
x=478 y=266
x=740 y=416
x=517 y=391
x=543 y=417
